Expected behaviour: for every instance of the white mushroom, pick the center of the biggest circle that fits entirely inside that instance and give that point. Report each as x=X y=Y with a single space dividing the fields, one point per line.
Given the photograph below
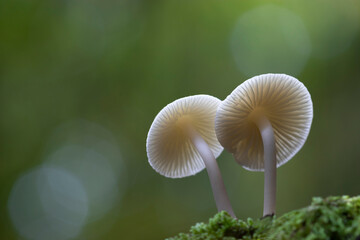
x=182 y=142
x=264 y=122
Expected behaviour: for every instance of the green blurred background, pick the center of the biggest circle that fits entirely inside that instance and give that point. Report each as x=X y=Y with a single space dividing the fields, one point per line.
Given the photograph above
x=82 y=80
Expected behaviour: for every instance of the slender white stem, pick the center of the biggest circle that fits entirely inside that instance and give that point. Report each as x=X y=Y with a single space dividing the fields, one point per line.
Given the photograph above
x=216 y=181
x=268 y=139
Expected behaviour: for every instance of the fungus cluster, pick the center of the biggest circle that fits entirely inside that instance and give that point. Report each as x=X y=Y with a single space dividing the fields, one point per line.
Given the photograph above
x=264 y=122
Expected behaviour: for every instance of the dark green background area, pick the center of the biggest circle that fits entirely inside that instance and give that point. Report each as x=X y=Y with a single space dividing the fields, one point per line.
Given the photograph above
x=118 y=63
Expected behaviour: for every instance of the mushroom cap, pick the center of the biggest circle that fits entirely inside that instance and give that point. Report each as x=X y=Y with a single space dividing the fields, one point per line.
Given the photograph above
x=169 y=147
x=286 y=103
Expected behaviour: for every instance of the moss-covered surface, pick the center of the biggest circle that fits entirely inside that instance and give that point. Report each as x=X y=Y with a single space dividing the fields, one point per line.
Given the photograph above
x=328 y=218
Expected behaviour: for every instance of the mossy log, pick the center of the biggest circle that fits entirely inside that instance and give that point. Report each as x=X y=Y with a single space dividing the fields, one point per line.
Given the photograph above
x=326 y=218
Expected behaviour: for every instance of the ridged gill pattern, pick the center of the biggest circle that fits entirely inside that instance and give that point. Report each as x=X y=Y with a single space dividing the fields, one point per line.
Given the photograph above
x=169 y=148
x=287 y=104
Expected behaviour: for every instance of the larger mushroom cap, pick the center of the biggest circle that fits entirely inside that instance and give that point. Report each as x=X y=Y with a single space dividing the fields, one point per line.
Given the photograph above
x=283 y=100
x=169 y=147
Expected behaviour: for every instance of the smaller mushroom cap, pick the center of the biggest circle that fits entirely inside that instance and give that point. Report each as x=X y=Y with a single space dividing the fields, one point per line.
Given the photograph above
x=285 y=102
x=169 y=147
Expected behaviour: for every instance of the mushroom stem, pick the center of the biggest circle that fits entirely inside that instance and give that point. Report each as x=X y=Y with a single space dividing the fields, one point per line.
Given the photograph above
x=216 y=181
x=268 y=139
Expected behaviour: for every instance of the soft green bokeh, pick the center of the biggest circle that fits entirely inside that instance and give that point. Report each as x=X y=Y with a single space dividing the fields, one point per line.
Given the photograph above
x=116 y=64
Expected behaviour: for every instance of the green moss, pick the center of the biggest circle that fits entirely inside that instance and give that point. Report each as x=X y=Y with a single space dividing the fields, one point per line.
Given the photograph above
x=223 y=226
x=329 y=218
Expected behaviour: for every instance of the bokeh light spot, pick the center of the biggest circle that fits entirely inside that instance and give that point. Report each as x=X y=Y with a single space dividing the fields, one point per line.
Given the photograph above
x=90 y=152
x=94 y=172
x=270 y=39
x=48 y=203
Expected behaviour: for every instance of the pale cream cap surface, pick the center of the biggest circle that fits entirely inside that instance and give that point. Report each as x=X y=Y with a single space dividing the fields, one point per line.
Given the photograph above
x=287 y=104
x=169 y=147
